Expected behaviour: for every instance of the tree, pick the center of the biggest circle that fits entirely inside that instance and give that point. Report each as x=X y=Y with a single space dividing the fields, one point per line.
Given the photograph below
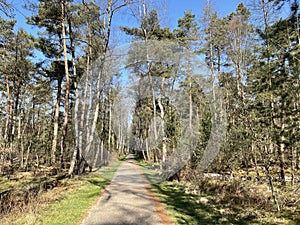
x=214 y=30
x=49 y=17
x=6 y=8
x=149 y=31
x=67 y=87
x=239 y=39
x=6 y=55
x=98 y=38
x=274 y=85
x=187 y=35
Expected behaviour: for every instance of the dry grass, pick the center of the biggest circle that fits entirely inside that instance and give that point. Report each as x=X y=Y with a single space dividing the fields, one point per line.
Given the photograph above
x=22 y=200
x=63 y=204
x=247 y=200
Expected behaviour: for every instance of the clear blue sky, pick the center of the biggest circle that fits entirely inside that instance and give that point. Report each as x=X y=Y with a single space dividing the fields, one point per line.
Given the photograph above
x=177 y=7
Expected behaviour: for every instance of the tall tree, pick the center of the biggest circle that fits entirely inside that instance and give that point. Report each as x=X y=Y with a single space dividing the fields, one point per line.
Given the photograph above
x=149 y=30
x=187 y=34
x=274 y=84
x=6 y=35
x=67 y=86
x=48 y=16
x=98 y=37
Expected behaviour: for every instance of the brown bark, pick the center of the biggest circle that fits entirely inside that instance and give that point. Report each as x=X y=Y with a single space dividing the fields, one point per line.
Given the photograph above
x=109 y=120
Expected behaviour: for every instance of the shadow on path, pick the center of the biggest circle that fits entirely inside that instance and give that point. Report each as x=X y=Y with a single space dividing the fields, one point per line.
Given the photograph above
x=125 y=201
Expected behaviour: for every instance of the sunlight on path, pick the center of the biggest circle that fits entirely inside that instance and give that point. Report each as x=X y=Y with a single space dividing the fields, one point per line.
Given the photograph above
x=125 y=201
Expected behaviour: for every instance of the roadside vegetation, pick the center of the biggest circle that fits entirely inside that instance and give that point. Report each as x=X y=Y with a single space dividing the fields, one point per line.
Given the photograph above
x=212 y=199
x=65 y=203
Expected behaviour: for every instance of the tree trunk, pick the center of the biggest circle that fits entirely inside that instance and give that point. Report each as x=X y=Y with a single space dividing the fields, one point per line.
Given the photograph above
x=147 y=150
x=109 y=121
x=274 y=195
x=56 y=120
x=293 y=166
x=255 y=160
x=281 y=162
x=189 y=78
x=162 y=116
x=8 y=112
x=67 y=91
x=56 y=107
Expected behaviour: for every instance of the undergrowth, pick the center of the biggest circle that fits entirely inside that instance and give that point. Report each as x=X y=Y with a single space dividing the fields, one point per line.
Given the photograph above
x=65 y=204
x=212 y=201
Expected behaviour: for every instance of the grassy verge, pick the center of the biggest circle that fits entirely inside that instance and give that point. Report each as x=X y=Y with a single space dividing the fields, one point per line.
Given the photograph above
x=67 y=203
x=218 y=203
x=185 y=208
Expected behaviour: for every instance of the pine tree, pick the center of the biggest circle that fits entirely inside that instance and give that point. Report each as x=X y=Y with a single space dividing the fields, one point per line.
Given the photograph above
x=6 y=36
x=187 y=35
x=51 y=44
x=273 y=84
x=150 y=32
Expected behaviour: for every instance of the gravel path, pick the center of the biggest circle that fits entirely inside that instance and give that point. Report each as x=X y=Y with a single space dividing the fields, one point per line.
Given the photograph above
x=125 y=201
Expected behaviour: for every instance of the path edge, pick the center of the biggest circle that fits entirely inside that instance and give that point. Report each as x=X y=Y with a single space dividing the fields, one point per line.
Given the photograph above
x=85 y=215
x=158 y=206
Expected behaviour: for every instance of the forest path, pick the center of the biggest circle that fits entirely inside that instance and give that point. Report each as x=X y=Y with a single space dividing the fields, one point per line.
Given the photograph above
x=127 y=200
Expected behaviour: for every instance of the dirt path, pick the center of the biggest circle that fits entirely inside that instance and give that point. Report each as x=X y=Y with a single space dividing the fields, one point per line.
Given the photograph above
x=127 y=200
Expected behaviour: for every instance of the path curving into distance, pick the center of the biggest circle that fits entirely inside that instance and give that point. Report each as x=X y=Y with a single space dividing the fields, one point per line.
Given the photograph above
x=128 y=200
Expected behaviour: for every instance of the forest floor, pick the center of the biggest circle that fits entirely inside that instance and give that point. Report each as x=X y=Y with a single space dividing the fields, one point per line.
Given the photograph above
x=188 y=208
x=233 y=201
x=65 y=203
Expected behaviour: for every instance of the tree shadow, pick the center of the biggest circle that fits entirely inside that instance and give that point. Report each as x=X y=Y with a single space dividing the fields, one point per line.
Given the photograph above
x=100 y=183
x=188 y=211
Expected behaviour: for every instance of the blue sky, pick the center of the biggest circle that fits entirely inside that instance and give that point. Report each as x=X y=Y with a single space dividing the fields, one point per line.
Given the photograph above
x=175 y=10
x=223 y=7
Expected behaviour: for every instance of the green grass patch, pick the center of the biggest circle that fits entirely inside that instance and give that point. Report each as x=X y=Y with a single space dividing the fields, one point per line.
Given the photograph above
x=18 y=180
x=123 y=157
x=67 y=203
x=71 y=209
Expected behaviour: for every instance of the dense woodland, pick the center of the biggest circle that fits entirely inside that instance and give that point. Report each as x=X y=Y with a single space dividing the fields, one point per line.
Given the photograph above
x=252 y=54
